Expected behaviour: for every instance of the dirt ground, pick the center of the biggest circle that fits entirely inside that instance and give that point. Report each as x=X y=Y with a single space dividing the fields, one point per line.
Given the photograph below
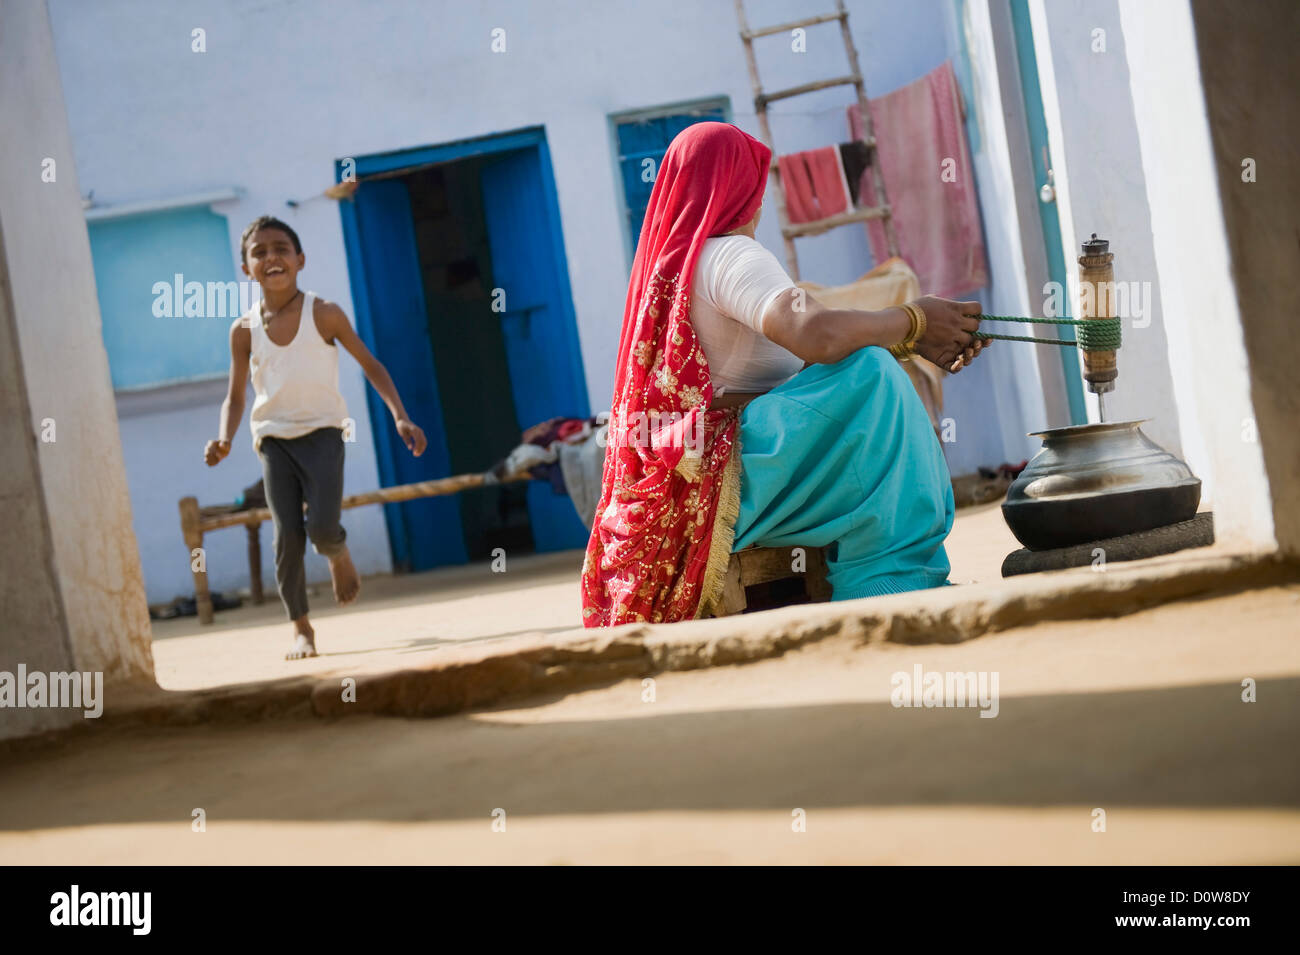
x=401 y=621
x=1141 y=717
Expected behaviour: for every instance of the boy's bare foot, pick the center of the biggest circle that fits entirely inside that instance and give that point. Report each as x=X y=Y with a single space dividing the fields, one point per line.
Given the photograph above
x=304 y=645
x=347 y=582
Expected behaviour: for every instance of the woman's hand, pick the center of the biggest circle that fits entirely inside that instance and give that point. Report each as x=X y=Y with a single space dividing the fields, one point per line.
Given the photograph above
x=948 y=340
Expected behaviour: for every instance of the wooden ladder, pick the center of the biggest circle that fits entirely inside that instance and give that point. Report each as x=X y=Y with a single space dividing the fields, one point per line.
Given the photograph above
x=789 y=231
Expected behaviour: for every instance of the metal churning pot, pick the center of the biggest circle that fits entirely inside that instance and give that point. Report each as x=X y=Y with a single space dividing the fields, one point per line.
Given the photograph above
x=1094 y=481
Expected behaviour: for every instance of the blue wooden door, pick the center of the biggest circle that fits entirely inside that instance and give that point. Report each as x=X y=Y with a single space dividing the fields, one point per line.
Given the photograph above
x=528 y=266
x=424 y=533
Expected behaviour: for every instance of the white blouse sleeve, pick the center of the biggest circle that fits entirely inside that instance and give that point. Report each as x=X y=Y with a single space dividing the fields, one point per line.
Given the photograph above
x=743 y=279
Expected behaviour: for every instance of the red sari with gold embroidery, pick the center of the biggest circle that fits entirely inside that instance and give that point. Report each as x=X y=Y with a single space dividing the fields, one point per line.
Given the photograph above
x=670 y=492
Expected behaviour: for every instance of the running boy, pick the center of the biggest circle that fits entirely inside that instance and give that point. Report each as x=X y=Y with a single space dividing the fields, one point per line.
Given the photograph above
x=289 y=340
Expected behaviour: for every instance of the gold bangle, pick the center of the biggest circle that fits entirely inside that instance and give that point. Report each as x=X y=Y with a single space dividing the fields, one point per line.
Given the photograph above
x=917 y=314
x=905 y=349
x=920 y=319
x=911 y=327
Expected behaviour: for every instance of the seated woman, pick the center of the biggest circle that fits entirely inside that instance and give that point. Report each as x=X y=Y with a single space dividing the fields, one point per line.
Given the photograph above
x=746 y=413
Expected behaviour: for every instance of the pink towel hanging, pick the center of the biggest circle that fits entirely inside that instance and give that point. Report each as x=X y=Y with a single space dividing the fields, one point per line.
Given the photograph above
x=814 y=184
x=926 y=167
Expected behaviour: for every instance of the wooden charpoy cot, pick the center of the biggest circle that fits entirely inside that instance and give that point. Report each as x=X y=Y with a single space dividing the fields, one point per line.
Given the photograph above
x=197 y=521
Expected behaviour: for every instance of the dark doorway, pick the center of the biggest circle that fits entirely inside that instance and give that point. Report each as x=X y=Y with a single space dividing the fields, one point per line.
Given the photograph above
x=469 y=350
x=460 y=285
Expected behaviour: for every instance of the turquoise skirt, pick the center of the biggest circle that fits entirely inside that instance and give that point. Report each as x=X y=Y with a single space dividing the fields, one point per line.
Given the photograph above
x=844 y=457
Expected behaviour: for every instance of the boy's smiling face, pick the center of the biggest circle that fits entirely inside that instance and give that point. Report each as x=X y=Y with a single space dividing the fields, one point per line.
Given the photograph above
x=270 y=260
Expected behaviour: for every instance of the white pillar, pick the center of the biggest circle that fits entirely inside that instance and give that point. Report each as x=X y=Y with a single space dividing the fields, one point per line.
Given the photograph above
x=56 y=324
x=1093 y=134
x=1208 y=353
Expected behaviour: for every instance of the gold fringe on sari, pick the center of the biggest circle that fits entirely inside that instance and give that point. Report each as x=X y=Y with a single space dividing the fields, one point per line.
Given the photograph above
x=724 y=533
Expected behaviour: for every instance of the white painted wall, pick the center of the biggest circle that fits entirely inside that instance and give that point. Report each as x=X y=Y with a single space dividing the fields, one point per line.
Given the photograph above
x=1026 y=176
x=999 y=399
x=1101 y=188
x=1207 y=353
x=285 y=89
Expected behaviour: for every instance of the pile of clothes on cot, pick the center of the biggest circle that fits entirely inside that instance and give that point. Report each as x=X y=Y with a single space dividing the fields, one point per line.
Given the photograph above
x=569 y=453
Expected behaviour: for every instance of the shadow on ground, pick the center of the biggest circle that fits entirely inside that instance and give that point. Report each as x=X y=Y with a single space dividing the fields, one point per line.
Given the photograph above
x=1184 y=747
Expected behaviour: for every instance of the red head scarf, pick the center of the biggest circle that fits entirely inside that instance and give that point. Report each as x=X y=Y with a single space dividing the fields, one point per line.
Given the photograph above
x=665 y=523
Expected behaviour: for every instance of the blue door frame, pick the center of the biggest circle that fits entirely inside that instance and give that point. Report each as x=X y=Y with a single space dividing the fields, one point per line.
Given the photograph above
x=384 y=279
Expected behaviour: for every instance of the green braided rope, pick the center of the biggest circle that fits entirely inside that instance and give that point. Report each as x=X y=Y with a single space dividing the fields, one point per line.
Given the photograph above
x=1093 y=334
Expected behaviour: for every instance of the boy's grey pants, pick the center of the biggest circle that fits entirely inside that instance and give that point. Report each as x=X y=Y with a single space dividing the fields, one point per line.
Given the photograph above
x=297 y=470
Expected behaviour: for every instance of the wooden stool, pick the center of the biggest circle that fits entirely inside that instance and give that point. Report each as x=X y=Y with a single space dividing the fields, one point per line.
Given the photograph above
x=761 y=565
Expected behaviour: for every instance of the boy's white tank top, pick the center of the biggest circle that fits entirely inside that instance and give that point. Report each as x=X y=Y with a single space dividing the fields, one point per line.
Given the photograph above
x=296 y=385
